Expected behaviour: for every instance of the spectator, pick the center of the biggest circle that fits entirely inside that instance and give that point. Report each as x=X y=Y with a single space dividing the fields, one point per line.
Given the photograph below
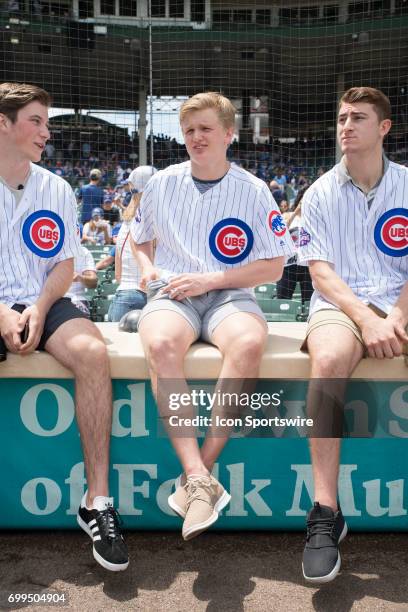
x=115 y=232
x=96 y=231
x=129 y=295
x=111 y=212
x=84 y=277
x=91 y=195
x=284 y=206
x=276 y=192
x=126 y=196
x=108 y=260
x=294 y=273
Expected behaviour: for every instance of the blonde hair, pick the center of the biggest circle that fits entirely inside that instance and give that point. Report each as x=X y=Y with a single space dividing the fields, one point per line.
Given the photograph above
x=210 y=99
x=129 y=213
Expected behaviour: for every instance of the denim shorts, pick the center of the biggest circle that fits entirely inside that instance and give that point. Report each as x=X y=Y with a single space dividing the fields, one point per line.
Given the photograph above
x=124 y=301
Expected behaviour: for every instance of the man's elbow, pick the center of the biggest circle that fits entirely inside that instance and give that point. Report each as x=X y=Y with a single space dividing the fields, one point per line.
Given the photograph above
x=276 y=269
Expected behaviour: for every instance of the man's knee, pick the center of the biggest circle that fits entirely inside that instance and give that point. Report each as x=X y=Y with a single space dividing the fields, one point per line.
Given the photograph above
x=246 y=348
x=327 y=363
x=162 y=350
x=88 y=352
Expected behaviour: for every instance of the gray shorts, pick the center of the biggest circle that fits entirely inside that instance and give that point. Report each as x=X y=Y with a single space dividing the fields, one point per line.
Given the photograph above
x=206 y=311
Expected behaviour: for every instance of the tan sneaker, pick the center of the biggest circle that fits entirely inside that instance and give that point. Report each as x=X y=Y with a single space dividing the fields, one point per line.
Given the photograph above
x=178 y=500
x=206 y=497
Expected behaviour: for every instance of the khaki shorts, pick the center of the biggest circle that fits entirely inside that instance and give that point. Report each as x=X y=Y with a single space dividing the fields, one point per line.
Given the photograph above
x=338 y=317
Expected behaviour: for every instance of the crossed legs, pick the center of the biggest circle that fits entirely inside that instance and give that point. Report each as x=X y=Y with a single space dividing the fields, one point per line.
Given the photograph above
x=241 y=339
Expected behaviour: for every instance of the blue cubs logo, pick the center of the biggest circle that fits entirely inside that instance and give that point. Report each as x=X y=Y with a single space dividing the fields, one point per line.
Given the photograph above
x=391 y=232
x=43 y=233
x=276 y=223
x=231 y=240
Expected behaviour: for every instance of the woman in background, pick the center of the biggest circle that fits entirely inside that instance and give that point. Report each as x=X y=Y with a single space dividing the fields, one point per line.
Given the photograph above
x=128 y=295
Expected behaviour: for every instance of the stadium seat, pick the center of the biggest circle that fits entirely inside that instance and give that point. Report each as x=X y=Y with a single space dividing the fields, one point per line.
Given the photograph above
x=105 y=276
x=100 y=307
x=267 y=290
x=89 y=293
x=284 y=311
x=107 y=288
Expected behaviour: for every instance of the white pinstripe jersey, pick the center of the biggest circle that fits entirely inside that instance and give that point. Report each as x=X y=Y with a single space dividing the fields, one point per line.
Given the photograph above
x=232 y=224
x=36 y=234
x=368 y=246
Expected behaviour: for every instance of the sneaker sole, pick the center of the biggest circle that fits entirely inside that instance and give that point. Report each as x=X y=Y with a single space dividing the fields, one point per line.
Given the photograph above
x=190 y=533
x=175 y=507
x=331 y=576
x=113 y=567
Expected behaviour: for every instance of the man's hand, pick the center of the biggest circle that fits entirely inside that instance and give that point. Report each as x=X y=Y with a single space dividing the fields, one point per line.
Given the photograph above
x=383 y=337
x=11 y=328
x=148 y=273
x=34 y=317
x=189 y=285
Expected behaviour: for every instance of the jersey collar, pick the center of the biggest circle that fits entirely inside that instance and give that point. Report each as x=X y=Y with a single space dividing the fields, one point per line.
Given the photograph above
x=343 y=175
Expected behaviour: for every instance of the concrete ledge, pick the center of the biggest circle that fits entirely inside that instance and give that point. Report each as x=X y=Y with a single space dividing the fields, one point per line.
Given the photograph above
x=282 y=359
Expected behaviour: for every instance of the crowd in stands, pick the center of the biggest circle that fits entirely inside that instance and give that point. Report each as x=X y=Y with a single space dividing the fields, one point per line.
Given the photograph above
x=299 y=162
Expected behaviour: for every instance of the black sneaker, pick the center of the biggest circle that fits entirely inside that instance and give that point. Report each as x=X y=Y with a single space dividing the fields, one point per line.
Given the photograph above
x=102 y=525
x=321 y=557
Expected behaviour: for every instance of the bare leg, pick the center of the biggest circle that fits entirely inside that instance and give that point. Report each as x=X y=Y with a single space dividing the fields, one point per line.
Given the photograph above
x=79 y=346
x=241 y=338
x=166 y=337
x=334 y=351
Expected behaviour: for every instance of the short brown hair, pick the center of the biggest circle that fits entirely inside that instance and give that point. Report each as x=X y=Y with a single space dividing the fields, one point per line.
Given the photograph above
x=210 y=99
x=14 y=96
x=370 y=95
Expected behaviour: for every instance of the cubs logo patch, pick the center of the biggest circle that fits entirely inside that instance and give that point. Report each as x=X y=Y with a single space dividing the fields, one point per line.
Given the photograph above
x=43 y=233
x=276 y=223
x=391 y=232
x=231 y=240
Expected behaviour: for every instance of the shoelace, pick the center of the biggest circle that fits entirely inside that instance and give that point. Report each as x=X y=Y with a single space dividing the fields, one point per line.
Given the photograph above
x=321 y=526
x=109 y=522
x=192 y=488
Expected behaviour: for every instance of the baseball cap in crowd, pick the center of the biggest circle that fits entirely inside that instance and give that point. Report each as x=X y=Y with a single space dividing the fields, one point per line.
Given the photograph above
x=97 y=212
x=124 y=182
x=95 y=174
x=108 y=199
x=140 y=176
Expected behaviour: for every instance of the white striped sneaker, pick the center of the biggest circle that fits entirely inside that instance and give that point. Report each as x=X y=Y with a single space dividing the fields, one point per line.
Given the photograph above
x=102 y=525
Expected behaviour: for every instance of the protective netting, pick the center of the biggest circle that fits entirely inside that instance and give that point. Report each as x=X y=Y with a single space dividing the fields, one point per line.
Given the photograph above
x=119 y=69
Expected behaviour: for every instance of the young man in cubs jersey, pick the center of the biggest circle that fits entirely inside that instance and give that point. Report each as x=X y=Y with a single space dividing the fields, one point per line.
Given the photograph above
x=38 y=242
x=218 y=232
x=355 y=220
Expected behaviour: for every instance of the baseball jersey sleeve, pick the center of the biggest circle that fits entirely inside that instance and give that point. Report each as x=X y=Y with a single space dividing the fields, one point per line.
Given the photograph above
x=272 y=238
x=72 y=242
x=142 y=226
x=315 y=235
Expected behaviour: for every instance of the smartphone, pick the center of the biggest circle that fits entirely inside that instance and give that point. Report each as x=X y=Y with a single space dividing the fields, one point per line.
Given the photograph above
x=3 y=350
x=24 y=334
